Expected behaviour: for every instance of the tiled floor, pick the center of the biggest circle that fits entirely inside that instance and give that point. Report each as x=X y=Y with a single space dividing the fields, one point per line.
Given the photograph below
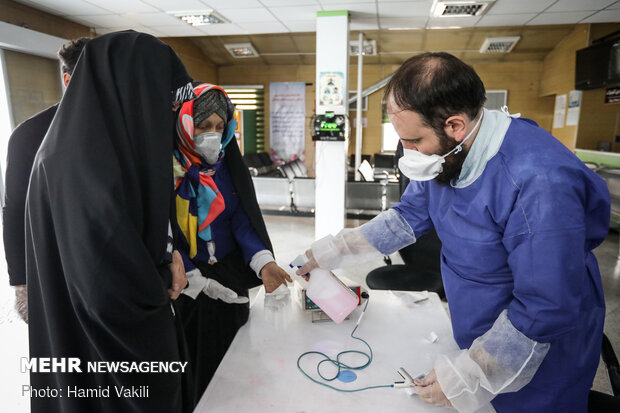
x=290 y=236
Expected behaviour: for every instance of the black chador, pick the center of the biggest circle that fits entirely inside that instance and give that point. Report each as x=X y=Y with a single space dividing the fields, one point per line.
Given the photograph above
x=97 y=217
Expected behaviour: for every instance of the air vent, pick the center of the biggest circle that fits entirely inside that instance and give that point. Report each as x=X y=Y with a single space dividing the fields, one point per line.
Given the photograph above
x=370 y=47
x=499 y=44
x=460 y=8
x=200 y=18
x=241 y=50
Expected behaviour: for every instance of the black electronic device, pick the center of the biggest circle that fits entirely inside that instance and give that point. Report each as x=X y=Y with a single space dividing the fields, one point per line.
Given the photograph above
x=598 y=66
x=329 y=127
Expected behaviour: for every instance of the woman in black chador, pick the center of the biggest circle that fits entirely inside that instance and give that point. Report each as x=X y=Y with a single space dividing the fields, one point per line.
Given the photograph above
x=97 y=229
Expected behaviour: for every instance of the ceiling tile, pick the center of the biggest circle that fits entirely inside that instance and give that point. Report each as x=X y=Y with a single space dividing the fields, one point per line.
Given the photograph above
x=559 y=18
x=219 y=29
x=364 y=24
x=479 y=35
x=535 y=38
x=403 y=22
x=295 y=13
x=278 y=43
x=579 y=5
x=520 y=6
x=330 y=2
x=154 y=19
x=422 y=8
x=108 y=20
x=248 y=15
x=278 y=3
x=175 y=31
x=236 y=4
x=65 y=8
x=355 y=9
x=124 y=6
x=401 y=41
x=306 y=43
x=267 y=27
x=176 y=5
x=451 y=22
x=437 y=40
x=604 y=16
x=301 y=25
x=505 y=19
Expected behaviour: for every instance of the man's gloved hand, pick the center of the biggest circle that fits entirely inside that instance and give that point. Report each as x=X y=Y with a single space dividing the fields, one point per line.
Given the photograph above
x=430 y=391
x=213 y=289
x=276 y=306
x=21 y=301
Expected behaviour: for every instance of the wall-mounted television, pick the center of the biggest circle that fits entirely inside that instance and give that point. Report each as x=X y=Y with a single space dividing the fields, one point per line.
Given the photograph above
x=598 y=66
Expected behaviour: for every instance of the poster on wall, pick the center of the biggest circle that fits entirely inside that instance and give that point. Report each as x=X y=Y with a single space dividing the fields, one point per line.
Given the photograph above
x=287 y=107
x=574 y=104
x=332 y=89
x=559 y=112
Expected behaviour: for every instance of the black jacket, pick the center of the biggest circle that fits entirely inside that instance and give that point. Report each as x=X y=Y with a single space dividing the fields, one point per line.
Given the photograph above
x=23 y=146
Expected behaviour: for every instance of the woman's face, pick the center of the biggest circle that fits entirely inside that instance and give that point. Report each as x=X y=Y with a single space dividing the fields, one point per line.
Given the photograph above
x=212 y=124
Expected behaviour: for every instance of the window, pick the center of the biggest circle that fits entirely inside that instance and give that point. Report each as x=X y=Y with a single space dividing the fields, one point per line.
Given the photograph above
x=250 y=101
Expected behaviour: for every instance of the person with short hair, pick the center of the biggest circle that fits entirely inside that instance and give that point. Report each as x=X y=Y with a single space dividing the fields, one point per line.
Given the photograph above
x=518 y=215
x=23 y=145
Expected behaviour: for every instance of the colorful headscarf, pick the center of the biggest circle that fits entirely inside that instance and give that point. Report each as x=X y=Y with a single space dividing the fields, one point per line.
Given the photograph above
x=198 y=201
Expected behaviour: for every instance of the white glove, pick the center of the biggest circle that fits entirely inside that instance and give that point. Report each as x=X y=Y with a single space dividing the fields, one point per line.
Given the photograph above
x=276 y=304
x=212 y=288
x=21 y=301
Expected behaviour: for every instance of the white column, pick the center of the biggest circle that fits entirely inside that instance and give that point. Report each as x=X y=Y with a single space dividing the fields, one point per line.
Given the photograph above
x=332 y=56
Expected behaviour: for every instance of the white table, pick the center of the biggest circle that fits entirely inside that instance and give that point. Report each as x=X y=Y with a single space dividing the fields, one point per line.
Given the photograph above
x=259 y=372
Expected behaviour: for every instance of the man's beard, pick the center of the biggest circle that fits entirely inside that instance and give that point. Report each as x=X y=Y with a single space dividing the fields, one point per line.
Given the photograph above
x=453 y=162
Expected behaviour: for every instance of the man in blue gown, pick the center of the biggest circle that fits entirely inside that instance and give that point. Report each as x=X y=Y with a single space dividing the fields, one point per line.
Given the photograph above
x=518 y=215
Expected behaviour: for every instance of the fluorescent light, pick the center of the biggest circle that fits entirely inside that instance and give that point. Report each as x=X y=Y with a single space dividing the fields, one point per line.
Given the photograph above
x=241 y=50
x=200 y=18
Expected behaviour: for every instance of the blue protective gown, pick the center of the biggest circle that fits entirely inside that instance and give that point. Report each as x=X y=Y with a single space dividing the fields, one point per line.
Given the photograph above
x=520 y=237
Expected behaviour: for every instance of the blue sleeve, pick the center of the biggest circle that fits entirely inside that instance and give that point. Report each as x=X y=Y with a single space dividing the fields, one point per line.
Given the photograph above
x=413 y=206
x=245 y=235
x=549 y=256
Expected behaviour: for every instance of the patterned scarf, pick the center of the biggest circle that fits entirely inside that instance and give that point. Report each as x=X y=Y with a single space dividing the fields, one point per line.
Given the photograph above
x=198 y=201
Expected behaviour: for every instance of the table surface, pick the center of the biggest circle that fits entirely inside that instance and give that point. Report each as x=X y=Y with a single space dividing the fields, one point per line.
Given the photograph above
x=259 y=372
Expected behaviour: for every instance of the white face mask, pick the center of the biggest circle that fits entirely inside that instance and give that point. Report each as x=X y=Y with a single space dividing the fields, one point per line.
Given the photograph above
x=208 y=145
x=419 y=167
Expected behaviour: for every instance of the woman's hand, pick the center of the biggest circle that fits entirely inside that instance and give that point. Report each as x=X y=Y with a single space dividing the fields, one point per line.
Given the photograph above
x=273 y=276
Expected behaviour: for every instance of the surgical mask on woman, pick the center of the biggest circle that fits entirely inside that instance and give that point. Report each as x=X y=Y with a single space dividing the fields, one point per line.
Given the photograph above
x=419 y=167
x=208 y=145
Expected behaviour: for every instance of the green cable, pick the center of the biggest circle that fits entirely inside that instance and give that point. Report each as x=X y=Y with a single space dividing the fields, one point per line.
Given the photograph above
x=340 y=364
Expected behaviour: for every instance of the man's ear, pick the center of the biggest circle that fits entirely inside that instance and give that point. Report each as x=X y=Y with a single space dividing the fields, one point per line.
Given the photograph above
x=456 y=126
x=65 y=79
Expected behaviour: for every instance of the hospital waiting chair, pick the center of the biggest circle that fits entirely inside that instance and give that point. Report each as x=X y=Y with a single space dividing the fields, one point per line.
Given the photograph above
x=422 y=261
x=601 y=402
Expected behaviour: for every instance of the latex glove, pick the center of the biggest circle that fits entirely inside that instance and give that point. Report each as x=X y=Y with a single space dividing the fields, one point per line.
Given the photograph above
x=276 y=306
x=430 y=391
x=21 y=301
x=217 y=291
x=199 y=283
x=179 y=279
x=304 y=271
x=274 y=276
